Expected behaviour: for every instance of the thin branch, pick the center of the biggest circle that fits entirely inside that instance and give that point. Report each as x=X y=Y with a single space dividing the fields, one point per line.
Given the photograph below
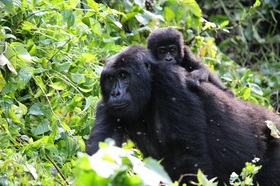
x=57 y=168
x=60 y=49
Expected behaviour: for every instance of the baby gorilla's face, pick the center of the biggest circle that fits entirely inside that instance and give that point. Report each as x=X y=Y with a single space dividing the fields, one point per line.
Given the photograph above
x=167 y=53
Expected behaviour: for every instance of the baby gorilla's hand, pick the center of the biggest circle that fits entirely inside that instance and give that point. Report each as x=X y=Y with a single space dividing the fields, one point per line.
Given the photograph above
x=196 y=74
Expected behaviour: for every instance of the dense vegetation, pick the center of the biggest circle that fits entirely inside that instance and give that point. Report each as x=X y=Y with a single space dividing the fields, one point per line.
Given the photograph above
x=52 y=52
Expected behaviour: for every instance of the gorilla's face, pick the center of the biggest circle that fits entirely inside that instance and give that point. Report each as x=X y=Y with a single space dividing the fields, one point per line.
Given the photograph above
x=126 y=83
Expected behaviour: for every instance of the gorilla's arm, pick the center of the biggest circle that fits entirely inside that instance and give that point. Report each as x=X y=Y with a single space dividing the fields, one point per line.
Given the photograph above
x=105 y=127
x=200 y=71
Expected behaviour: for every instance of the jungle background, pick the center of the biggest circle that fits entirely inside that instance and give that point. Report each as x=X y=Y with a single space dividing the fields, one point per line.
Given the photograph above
x=51 y=56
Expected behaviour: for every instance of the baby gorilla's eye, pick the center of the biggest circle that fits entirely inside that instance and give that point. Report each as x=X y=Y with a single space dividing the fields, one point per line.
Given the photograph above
x=172 y=49
x=161 y=50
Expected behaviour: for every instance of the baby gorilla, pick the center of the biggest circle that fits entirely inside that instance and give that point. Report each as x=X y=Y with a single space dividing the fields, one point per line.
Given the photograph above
x=167 y=45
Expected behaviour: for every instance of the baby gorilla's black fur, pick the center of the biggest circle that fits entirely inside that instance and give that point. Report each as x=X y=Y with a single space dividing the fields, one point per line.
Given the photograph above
x=187 y=125
x=167 y=45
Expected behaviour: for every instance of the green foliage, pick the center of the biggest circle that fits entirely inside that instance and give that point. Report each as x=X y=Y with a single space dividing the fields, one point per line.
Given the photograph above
x=203 y=181
x=246 y=176
x=51 y=56
x=118 y=167
x=251 y=37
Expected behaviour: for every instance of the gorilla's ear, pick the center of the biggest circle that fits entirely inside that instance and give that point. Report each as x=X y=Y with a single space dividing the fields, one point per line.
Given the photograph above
x=148 y=66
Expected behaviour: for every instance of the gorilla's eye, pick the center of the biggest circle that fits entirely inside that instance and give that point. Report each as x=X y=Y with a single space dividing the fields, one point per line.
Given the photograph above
x=108 y=77
x=123 y=75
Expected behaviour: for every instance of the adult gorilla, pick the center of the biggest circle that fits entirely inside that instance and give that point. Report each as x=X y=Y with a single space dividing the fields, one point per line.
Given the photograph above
x=189 y=125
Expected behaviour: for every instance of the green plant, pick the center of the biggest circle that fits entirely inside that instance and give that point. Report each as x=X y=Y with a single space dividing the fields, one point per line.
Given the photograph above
x=117 y=166
x=246 y=176
x=51 y=56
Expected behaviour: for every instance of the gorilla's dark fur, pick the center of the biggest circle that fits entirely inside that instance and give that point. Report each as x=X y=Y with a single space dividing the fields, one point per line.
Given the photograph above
x=189 y=125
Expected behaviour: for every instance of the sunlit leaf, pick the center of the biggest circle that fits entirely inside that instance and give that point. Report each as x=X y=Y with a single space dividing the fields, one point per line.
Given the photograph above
x=247 y=93
x=256 y=89
x=27 y=26
x=257 y=4
x=21 y=51
x=65 y=126
x=42 y=128
x=2 y=81
x=157 y=168
x=4 y=62
x=89 y=101
x=8 y=5
x=40 y=82
x=85 y=89
x=10 y=36
x=58 y=85
x=31 y=169
x=36 y=109
x=97 y=28
x=23 y=108
x=274 y=131
x=93 y=5
x=227 y=77
x=224 y=24
x=15 y=114
x=141 y=3
x=168 y=13
x=256 y=35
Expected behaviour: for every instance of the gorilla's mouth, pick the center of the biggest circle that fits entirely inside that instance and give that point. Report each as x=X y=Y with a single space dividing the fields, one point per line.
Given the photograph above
x=119 y=106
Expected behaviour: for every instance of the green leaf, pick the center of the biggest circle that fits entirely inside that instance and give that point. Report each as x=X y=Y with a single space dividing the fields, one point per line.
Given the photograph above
x=71 y=146
x=97 y=28
x=58 y=85
x=21 y=51
x=194 y=8
x=274 y=131
x=10 y=36
x=27 y=26
x=22 y=107
x=40 y=82
x=157 y=168
x=256 y=35
x=2 y=81
x=4 y=62
x=15 y=114
x=68 y=16
x=89 y=101
x=65 y=126
x=247 y=93
x=8 y=5
x=140 y=3
x=256 y=89
x=224 y=24
x=31 y=169
x=168 y=14
x=78 y=78
x=93 y=5
x=85 y=89
x=257 y=4
x=36 y=109
x=74 y=102
x=42 y=128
